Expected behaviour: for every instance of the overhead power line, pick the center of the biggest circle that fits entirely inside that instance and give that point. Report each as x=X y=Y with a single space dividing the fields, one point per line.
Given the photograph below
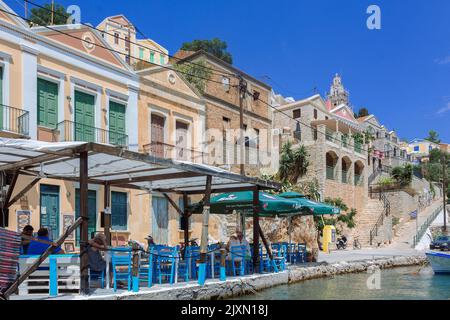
x=113 y=50
x=66 y=16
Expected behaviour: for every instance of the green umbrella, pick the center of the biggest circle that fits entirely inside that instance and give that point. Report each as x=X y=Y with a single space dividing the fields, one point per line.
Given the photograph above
x=311 y=207
x=269 y=205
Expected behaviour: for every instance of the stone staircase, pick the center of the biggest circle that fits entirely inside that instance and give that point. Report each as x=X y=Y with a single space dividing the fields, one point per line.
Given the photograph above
x=373 y=215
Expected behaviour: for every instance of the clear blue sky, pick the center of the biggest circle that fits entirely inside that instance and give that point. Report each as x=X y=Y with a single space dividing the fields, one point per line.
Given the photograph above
x=401 y=73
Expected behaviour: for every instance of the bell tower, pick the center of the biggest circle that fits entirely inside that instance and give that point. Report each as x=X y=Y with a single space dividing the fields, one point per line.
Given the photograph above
x=338 y=95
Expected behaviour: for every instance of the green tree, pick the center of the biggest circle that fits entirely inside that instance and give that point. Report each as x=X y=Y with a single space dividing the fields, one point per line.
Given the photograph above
x=433 y=136
x=196 y=74
x=43 y=16
x=293 y=163
x=216 y=47
x=403 y=175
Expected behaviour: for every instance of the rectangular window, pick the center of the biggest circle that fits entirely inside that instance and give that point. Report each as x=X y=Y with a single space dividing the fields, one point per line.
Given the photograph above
x=117 y=124
x=226 y=84
x=162 y=59
x=141 y=53
x=47 y=98
x=116 y=38
x=315 y=114
x=152 y=57
x=226 y=127
x=119 y=211
x=416 y=149
x=127 y=43
x=297 y=113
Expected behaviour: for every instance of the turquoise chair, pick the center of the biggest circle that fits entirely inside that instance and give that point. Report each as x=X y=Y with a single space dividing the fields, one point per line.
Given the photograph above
x=165 y=264
x=238 y=261
x=121 y=266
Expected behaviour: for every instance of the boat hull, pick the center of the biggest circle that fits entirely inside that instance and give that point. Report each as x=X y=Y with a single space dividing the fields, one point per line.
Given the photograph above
x=440 y=262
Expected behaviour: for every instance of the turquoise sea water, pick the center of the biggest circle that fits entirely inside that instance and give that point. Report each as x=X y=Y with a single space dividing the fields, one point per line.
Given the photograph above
x=395 y=284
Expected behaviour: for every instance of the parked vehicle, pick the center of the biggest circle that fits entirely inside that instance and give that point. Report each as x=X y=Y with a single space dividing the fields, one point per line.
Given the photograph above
x=342 y=243
x=441 y=243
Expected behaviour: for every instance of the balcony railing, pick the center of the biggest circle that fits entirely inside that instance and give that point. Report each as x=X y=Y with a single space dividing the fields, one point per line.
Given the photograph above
x=169 y=151
x=330 y=136
x=331 y=173
x=72 y=131
x=14 y=120
x=358 y=147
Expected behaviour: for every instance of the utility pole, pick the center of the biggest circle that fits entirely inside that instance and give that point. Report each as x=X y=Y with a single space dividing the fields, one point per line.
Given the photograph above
x=444 y=187
x=242 y=95
x=53 y=13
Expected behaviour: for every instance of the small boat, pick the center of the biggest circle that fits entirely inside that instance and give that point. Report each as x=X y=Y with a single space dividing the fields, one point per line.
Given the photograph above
x=440 y=262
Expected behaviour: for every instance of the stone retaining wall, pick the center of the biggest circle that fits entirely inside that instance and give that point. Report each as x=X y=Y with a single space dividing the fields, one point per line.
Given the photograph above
x=247 y=285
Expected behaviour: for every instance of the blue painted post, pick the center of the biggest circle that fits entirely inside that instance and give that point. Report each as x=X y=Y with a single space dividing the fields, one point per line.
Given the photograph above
x=135 y=267
x=223 y=255
x=53 y=277
x=202 y=273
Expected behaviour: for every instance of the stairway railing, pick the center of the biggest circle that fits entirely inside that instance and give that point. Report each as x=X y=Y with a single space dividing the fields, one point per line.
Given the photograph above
x=424 y=227
x=386 y=213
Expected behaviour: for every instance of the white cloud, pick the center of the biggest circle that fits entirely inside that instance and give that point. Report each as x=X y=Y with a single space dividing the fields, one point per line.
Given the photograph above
x=444 y=109
x=445 y=60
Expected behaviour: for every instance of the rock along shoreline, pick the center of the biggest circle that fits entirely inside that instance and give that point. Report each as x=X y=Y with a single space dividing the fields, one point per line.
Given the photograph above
x=236 y=287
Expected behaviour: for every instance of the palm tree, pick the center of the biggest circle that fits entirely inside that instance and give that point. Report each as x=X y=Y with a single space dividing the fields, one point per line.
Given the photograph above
x=293 y=164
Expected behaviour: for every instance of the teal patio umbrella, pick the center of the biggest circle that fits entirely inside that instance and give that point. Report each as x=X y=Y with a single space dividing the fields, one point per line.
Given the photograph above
x=310 y=207
x=269 y=205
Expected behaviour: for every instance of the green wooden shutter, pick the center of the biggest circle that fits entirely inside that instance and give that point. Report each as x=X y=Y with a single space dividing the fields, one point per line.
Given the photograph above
x=152 y=57
x=47 y=103
x=84 y=117
x=117 y=123
x=119 y=212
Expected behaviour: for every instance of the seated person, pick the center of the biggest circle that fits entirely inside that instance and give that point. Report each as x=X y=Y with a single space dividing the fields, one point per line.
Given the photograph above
x=38 y=248
x=28 y=232
x=238 y=240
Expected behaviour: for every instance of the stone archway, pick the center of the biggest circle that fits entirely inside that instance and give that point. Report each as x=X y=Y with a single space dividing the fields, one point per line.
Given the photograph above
x=331 y=165
x=346 y=167
x=359 y=173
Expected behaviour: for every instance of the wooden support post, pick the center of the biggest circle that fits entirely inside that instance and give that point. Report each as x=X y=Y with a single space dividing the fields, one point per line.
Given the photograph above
x=256 y=231
x=135 y=268
x=23 y=192
x=186 y=220
x=84 y=234
x=204 y=241
x=107 y=214
x=268 y=248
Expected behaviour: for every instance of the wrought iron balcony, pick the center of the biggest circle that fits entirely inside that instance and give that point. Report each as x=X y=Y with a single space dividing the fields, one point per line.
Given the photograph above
x=169 y=151
x=72 y=131
x=14 y=121
x=331 y=173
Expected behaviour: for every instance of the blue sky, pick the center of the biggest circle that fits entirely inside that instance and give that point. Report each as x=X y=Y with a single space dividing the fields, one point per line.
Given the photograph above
x=401 y=73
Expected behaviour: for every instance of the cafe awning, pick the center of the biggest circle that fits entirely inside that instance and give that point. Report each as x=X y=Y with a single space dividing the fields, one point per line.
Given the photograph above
x=311 y=207
x=269 y=205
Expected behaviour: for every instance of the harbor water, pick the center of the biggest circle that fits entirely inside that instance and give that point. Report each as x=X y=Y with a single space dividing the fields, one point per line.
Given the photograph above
x=412 y=283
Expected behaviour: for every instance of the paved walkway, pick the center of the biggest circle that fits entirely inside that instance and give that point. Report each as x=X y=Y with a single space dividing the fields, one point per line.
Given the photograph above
x=405 y=235
x=366 y=254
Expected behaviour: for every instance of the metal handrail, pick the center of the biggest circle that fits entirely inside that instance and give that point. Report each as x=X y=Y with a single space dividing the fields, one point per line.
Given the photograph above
x=73 y=131
x=424 y=227
x=164 y=150
x=386 y=213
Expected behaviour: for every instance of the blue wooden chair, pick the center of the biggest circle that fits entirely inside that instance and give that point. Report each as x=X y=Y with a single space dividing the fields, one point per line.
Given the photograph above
x=301 y=251
x=279 y=257
x=121 y=266
x=192 y=255
x=213 y=265
x=238 y=261
x=265 y=264
x=165 y=264
x=183 y=266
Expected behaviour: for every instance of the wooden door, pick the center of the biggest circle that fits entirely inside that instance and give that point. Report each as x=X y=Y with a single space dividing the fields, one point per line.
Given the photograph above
x=157 y=136
x=160 y=220
x=84 y=117
x=182 y=152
